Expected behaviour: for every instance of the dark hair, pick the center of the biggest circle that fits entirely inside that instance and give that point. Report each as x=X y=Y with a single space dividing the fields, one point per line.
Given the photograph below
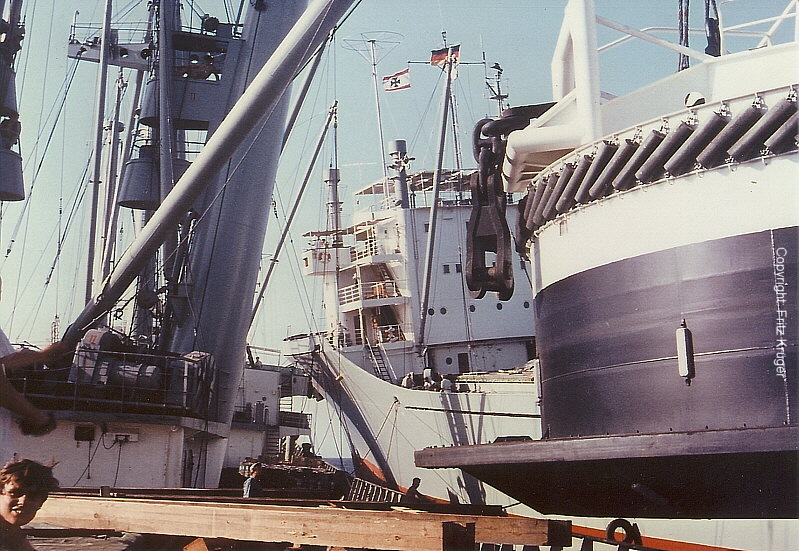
x=30 y=475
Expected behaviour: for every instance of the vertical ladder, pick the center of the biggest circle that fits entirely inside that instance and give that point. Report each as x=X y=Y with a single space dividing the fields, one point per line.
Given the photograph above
x=272 y=444
x=383 y=272
x=378 y=362
x=386 y=277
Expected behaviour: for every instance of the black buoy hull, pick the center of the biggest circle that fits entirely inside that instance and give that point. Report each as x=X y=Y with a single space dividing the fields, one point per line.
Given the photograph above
x=606 y=339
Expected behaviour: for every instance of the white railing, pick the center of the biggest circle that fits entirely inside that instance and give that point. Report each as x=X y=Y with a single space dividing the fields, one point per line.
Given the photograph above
x=368 y=291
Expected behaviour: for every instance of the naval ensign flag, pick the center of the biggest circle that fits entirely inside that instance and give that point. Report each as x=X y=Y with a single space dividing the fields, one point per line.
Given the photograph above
x=397 y=81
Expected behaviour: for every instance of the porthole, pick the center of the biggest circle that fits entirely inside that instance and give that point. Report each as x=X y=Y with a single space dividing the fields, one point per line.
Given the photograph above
x=472 y=308
x=499 y=306
x=448 y=361
x=443 y=311
x=430 y=311
x=526 y=304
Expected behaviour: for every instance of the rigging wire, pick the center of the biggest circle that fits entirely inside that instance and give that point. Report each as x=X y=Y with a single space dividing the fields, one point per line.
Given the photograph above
x=26 y=206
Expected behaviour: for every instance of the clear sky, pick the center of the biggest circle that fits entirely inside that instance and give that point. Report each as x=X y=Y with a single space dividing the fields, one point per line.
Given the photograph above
x=518 y=34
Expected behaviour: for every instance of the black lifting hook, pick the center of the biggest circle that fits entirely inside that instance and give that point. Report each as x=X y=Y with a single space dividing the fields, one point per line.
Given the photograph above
x=487 y=231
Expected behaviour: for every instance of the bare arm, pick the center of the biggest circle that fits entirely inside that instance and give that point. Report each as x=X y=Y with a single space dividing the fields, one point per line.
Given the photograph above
x=15 y=402
x=34 y=420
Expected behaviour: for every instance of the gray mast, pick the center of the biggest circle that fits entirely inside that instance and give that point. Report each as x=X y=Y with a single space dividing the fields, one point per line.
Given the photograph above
x=266 y=90
x=431 y=239
x=98 y=151
x=369 y=43
x=234 y=210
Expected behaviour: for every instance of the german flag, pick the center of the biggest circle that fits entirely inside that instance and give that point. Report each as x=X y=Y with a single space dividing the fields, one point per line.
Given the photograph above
x=439 y=57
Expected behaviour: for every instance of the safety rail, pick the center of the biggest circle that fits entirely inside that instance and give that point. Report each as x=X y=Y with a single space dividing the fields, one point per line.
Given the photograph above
x=364 y=249
x=124 y=382
x=368 y=291
x=294 y=420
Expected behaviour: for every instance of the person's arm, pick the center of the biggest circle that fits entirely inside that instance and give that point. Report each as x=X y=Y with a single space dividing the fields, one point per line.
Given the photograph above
x=33 y=420
x=15 y=402
x=27 y=357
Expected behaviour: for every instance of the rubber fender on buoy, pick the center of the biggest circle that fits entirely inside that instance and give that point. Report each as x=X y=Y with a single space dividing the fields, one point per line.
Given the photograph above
x=566 y=172
x=527 y=204
x=684 y=158
x=538 y=215
x=530 y=212
x=654 y=168
x=604 y=153
x=750 y=144
x=623 y=154
x=625 y=179
x=566 y=200
x=785 y=138
x=716 y=151
x=522 y=233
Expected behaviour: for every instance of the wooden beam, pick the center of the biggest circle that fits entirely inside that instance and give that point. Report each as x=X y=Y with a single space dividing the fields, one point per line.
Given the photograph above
x=391 y=530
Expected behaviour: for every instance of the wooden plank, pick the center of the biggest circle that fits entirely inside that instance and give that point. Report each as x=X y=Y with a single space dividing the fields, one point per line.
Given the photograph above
x=391 y=530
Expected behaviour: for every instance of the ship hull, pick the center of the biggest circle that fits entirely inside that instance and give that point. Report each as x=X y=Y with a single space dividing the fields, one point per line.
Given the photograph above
x=387 y=423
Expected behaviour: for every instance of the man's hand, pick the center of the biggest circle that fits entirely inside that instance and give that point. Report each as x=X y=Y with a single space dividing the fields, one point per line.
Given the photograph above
x=42 y=425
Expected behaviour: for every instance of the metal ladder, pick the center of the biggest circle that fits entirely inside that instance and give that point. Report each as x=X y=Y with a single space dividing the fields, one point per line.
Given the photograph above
x=363 y=490
x=378 y=361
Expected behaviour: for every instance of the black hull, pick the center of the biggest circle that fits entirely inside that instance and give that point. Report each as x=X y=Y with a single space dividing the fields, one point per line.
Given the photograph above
x=625 y=435
x=675 y=475
x=606 y=339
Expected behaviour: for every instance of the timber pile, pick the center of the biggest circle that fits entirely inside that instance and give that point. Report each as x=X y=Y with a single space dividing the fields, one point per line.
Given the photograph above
x=322 y=525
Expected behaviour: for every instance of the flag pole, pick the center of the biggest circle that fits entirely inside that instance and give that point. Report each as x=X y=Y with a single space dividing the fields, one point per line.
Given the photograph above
x=431 y=237
x=383 y=164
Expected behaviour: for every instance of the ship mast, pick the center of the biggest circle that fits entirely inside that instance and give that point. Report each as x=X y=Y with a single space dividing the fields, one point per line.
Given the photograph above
x=369 y=43
x=98 y=150
x=428 y=261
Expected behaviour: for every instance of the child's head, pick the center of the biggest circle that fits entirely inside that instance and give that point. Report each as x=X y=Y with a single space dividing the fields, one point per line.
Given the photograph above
x=24 y=487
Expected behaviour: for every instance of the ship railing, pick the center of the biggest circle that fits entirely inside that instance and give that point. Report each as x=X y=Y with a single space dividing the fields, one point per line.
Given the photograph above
x=743 y=30
x=84 y=33
x=364 y=249
x=368 y=291
x=294 y=419
x=111 y=382
x=389 y=333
